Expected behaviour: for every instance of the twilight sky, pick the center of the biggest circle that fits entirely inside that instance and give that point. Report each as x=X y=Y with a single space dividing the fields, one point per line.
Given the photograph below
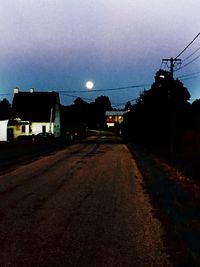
x=60 y=44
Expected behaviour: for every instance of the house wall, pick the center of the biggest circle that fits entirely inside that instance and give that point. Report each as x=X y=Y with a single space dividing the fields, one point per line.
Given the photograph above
x=37 y=127
x=3 y=130
x=56 y=130
x=56 y=125
x=113 y=117
x=33 y=129
x=112 y=120
x=17 y=130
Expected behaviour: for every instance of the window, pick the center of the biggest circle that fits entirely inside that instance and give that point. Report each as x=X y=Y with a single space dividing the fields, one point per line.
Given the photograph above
x=44 y=128
x=23 y=128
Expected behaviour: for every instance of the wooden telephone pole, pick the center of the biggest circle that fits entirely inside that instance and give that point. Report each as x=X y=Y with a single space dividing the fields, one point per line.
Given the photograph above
x=172 y=61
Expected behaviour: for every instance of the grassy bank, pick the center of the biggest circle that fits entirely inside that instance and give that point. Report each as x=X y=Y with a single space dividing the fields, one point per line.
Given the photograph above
x=176 y=202
x=15 y=153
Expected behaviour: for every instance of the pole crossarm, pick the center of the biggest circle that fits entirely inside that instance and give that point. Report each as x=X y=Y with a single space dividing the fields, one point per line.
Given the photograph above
x=172 y=61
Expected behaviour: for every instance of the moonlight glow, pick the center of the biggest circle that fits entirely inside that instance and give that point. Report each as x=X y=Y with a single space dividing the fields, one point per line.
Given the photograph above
x=89 y=85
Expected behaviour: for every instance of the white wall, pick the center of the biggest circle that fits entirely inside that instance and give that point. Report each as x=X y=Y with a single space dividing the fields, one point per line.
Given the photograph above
x=37 y=127
x=3 y=130
x=56 y=130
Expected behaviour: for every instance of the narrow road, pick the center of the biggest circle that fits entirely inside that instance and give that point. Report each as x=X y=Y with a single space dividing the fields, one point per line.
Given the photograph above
x=82 y=206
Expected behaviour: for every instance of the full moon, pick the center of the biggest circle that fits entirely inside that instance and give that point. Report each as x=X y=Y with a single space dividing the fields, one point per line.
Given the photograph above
x=89 y=84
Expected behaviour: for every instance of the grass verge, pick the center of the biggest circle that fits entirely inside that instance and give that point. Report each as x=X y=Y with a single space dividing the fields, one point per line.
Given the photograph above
x=175 y=206
x=15 y=153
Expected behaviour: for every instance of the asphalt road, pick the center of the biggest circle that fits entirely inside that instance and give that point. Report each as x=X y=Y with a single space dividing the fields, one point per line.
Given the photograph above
x=82 y=206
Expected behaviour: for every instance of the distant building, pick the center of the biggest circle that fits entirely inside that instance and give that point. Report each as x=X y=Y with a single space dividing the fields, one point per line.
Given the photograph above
x=33 y=113
x=114 y=118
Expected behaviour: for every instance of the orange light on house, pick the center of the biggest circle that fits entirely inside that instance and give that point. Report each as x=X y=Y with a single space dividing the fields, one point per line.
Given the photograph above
x=114 y=117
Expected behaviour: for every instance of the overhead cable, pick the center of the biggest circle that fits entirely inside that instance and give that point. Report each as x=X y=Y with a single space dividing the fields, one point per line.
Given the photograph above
x=75 y=96
x=190 y=62
x=190 y=78
x=189 y=74
x=188 y=45
x=102 y=90
x=191 y=55
x=124 y=103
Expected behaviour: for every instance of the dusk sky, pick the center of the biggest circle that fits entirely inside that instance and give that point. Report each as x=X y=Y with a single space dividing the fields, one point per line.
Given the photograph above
x=60 y=44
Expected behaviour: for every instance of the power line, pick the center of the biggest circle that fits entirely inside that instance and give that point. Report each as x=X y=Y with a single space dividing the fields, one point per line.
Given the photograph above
x=6 y=94
x=103 y=90
x=189 y=74
x=65 y=93
x=190 y=62
x=75 y=96
x=190 y=78
x=124 y=103
x=188 y=45
x=134 y=99
x=175 y=60
x=191 y=55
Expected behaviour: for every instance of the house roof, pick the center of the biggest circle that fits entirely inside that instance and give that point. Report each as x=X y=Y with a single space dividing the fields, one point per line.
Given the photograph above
x=115 y=113
x=35 y=106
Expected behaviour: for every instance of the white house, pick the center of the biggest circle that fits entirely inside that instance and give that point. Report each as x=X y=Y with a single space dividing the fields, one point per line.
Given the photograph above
x=16 y=127
x=3 y=130
x=33 y=113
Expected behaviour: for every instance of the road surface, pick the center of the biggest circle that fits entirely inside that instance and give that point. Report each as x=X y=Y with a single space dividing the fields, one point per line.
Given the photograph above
x=82 y=206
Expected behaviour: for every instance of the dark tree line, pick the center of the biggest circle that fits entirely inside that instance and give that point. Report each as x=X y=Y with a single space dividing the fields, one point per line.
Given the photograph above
x=158 y=120
x=161 y=114
x=5 y=109
x=81 y=115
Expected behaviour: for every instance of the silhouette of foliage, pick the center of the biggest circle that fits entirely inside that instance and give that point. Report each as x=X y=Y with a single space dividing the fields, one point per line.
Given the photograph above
x=81 y=115
x=5 y=109
x=102 y=103
x=195 y=115
x=128 y=106
x=160 y=114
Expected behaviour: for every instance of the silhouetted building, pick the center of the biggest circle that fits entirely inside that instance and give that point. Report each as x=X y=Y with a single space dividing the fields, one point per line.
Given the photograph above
x=114 y=118
x=33 y=113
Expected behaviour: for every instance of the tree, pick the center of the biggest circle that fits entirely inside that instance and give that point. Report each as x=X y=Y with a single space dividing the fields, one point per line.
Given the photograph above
x=82 y=115
x=103 y=102
x=195 y=115
x=160 y=114
x=101 y=105
x=128 y=106
x=74 y=118
x=79 y=102
x=5 y=109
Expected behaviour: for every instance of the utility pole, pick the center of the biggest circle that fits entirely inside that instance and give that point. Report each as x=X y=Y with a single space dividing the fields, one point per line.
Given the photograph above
x=172 y=62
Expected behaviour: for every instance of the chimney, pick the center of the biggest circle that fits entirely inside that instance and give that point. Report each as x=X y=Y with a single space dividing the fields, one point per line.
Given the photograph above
x=31 y=90
x=16 y=90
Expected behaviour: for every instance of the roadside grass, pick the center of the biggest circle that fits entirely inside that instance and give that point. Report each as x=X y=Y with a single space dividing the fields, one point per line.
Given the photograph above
x=19 y=152
x=175 y=205
x=189 y=157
